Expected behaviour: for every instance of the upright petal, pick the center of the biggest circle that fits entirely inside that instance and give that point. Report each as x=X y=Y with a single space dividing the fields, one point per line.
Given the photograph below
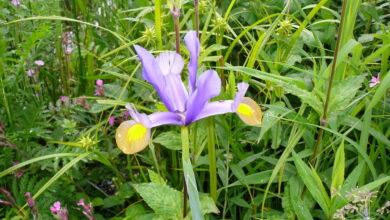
x=171 y=65
x=215 y=108
x=193 y=45
x=132 y=137
x=209 y=86
x=152 y=73
x=165 y=118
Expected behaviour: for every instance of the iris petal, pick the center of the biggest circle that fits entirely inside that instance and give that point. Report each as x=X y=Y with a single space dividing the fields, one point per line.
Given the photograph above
x=132 y=137
x=215 y=108
x=151 y=72
x=165 y=118
x=249 y=112
x=209 y=86
x=193 y=45
x=171 y=64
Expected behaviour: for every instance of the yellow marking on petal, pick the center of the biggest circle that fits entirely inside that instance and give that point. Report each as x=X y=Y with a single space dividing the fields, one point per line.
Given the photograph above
x=244 y=109
x=136 y=132
x=132 y=137
x=249 y=112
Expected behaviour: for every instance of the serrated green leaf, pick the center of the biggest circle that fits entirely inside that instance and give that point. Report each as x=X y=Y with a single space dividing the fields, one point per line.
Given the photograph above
x=343 y=93
x=164 y=200
x=169 y=139
x=208 y=204
x=155 y=178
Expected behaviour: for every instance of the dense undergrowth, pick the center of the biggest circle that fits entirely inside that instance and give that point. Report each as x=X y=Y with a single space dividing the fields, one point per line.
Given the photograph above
x=68 y=68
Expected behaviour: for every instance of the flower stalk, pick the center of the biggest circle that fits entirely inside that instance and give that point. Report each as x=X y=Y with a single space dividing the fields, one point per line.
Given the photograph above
x=175 y=15
x=196 y=3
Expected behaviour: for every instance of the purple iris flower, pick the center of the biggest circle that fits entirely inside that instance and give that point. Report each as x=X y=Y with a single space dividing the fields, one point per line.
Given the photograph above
x=184 y=107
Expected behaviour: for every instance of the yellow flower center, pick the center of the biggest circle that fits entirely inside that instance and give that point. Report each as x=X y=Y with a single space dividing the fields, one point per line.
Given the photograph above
x=244 y=109
x=136 y=132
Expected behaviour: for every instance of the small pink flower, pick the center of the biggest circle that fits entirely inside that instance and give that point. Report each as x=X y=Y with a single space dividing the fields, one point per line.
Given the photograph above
x=39 y=62
x=87 y=209
x=30 y=72
x=81 y=202
x=64 y=98
x=5 y=202
x=16 y=3
x=99 y=82
x=56 y=207
x=30 y=201
x=111 y=120
x=99 y=90
x=374 y=81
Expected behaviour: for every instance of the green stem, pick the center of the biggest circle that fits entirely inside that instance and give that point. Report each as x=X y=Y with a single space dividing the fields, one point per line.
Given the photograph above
x=176 y=15
x=323 y=120
x=157 y=21
x=196 y=2
x=212 y=158
x=189 y=177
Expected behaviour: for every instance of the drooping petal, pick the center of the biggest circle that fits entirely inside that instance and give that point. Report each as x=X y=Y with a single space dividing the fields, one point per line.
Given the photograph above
x=138 y=117
x=193 y=45
x=249 y=112
x=209 y=86
x=165 y=118
x=242 y=88
x=171 y=65
x=132 y=137
x=151 y=72
x=215 y=108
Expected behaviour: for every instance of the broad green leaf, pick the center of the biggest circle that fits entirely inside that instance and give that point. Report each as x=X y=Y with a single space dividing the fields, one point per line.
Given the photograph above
x=338 y=168
x=343 y=93
x=208 y=204
x=164 y=200
x=313 y=183
x=306 y=97
x=169 y=139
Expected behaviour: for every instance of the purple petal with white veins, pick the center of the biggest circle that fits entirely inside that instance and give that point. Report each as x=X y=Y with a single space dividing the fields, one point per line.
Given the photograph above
x=133 y=112
x=151 y=72
x=171 y=64
x=242 y=88
x=209 y=86
x=138 y=117
x=215 y=108
x=193 y=45
x=164 y=118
